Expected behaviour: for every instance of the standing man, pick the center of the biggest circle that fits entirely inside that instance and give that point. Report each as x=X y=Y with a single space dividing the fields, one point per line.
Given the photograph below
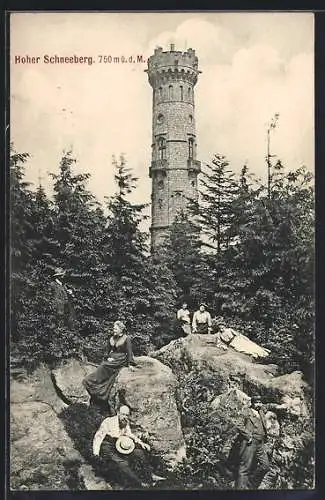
x=202 y=322
x=116 y=443
x=183 y=317
x=251 y=446
x=62 y=296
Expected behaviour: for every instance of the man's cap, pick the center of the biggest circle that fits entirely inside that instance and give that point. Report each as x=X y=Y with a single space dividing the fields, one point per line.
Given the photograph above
x=256 y=399
x=125 y=445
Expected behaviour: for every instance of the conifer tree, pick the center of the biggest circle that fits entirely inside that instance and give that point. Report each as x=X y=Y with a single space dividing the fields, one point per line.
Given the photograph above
x=182 y=253
x=79 y=228
x=270 y=269
x=143 y=289
x=216 y=195
x=46 y=249
x=20 y=249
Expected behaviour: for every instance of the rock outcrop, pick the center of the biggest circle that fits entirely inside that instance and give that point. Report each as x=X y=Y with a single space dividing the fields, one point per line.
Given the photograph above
x=149 y=389
x=52 y=426
x=235 y=376
x=201 y=352
x=42 y=455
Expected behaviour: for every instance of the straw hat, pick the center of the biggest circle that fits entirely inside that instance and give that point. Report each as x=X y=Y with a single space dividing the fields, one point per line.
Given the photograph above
x=125 y=445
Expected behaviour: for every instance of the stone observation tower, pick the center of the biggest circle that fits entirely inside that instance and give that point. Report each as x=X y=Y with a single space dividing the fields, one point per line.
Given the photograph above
x=174 y=167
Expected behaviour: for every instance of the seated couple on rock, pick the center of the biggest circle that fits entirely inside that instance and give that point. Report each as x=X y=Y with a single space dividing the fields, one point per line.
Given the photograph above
x=115 y=443
x=99 y=383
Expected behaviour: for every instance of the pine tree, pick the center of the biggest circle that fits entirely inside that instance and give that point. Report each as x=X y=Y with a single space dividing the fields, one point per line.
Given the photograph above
x=79 y=228
x=20 y=249
x=21 y=200
x=181 y=252
x=143 y=289
x=46 y=251
x=214 y=212
x=270 y=269
x=31 y=317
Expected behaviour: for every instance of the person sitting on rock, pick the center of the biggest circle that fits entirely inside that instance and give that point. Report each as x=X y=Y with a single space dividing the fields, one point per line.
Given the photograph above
x=202 y=322
x=99 y=383
x=183 y=317
x=114 y=442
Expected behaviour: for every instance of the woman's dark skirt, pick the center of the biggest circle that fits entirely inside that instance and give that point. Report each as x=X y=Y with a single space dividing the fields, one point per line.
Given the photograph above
x=99 y=383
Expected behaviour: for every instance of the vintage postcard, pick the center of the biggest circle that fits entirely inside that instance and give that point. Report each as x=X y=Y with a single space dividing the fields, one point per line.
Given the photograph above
x=161 y=251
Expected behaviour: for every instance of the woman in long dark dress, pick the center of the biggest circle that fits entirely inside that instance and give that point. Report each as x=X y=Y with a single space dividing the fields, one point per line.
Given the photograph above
x=100 y=382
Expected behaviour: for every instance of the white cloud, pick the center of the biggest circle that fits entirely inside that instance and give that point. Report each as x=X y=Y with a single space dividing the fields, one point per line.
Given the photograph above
x=251 y=68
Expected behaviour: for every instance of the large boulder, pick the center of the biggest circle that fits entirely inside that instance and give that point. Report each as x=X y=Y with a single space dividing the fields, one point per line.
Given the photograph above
x=68 y=380
x=42 y=455
x=149 y=389
x=233 y=377
x=202 y=353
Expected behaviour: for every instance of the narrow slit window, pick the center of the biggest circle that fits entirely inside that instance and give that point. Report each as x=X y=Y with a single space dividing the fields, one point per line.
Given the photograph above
x=190 y=148
x=162 y=148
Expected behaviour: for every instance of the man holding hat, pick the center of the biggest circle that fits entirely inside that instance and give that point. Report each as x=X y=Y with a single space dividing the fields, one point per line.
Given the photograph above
x=116 y=443
x=202 y=322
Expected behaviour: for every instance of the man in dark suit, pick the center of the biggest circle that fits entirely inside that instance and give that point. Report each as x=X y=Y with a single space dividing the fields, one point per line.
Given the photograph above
x=252 y=450
x=62 y=296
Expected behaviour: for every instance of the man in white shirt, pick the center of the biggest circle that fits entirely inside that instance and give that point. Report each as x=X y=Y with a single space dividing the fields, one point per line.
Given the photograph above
x=202 y=322
x=104 y=443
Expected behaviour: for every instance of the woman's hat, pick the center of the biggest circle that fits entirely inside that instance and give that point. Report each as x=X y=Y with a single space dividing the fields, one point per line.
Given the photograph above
x=203 y=304
x=125 y=445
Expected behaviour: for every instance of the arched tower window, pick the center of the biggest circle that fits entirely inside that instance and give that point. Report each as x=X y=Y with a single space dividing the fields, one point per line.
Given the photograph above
x=182 y=93
x=170 y=92
x=189 y=93
x=160 y=93
x=190 y=148
x=162 y=148
x=160 y=184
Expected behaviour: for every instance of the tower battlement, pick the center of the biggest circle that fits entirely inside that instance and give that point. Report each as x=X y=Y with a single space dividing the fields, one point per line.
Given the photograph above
x=172 y=65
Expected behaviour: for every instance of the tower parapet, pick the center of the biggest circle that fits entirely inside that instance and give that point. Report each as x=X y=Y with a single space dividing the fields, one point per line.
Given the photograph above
x=172 y=65
x=174 y=166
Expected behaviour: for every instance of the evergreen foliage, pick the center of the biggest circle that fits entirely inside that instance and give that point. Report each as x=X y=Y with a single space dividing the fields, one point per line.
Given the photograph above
x=107 y=265
x=248 y=253
x=255 y=266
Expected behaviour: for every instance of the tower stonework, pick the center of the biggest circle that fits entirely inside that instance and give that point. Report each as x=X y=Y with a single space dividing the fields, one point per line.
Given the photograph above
x=174 y=167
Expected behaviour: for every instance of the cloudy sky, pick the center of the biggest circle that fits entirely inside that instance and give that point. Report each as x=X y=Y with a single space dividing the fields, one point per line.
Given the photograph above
x=253 y=66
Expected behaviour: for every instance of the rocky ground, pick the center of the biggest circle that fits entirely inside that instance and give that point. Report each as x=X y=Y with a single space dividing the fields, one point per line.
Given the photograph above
x=51 y=436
